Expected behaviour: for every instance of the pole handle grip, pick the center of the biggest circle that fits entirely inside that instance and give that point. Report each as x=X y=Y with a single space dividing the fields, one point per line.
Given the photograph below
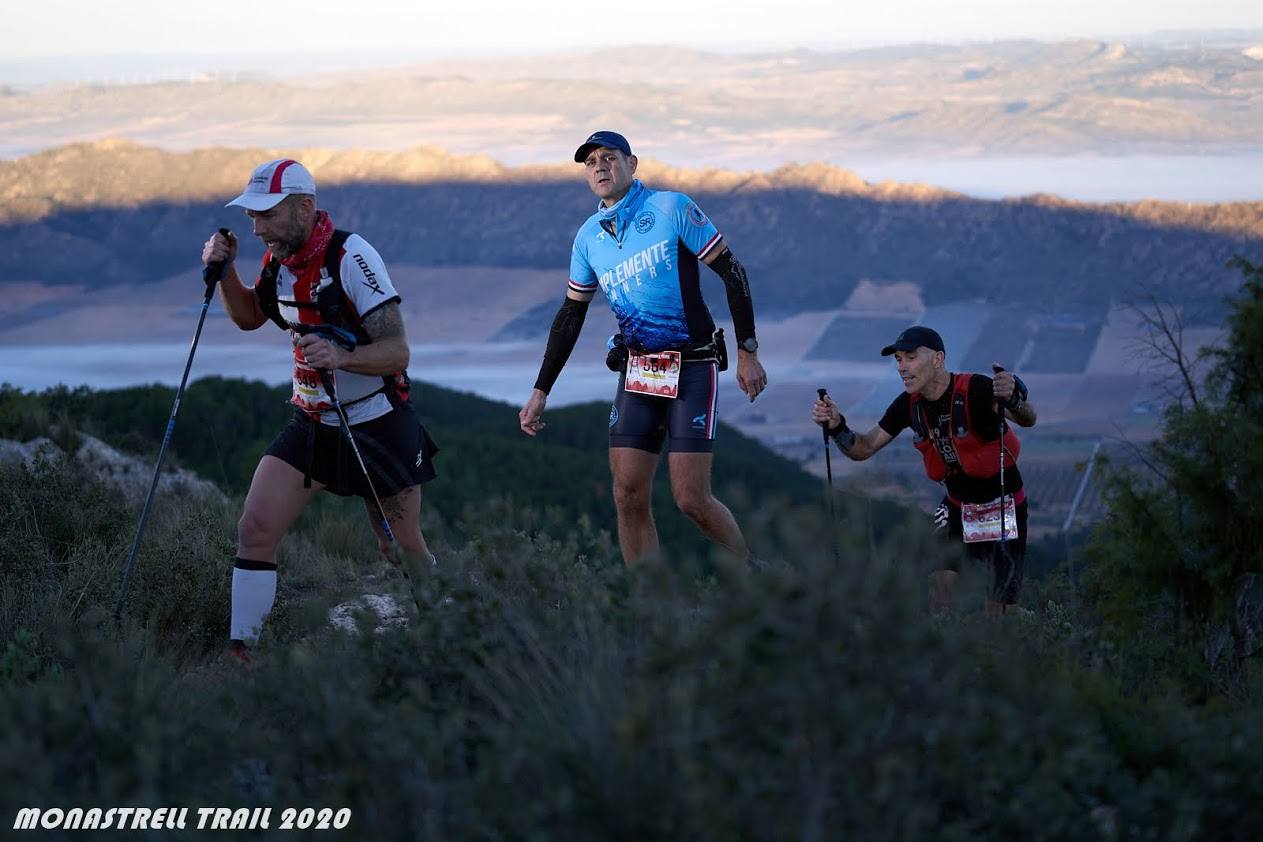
x=214 y=271
x=824 y=428
x=996 y=369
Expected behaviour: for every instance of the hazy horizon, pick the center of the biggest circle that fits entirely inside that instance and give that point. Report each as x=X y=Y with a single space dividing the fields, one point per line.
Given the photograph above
x=129 y=67
x=80 y=28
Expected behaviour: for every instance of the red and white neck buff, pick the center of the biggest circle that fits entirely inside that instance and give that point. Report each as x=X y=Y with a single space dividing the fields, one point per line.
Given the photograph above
x=313 y=251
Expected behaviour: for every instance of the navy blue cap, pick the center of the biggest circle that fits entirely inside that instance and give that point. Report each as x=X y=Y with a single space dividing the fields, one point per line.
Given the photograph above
x=609 y=140
x=913 y=338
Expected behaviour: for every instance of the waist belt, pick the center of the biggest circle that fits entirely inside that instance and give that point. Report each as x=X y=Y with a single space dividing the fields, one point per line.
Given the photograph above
x=705 y=354
x=713 y=351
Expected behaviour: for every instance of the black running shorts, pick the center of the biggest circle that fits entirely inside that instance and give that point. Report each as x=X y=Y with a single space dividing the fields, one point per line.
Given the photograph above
x=397 y=451
x=1007 y=567
x=690 y=419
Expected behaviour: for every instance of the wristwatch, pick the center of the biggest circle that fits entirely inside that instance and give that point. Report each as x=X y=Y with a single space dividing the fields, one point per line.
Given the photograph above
x=749 y=344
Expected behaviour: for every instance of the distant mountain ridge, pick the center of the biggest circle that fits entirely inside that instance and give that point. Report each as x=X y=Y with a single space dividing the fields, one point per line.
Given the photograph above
x=111 y=213
x=119 y=173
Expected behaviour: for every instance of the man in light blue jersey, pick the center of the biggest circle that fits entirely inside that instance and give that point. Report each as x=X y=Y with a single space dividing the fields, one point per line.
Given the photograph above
x=642 y=248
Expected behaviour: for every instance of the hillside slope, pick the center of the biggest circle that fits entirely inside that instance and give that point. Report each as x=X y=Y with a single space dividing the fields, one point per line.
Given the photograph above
x=224 y=426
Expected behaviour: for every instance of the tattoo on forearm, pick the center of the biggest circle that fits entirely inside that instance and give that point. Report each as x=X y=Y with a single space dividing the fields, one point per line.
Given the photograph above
x=384 y=323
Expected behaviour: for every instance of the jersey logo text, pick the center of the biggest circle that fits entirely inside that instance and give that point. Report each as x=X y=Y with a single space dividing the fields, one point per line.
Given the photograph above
x=650 y=261
x=370 y=279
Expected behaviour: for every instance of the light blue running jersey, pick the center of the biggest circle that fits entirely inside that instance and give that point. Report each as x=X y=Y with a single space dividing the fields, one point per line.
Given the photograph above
x=649 y=269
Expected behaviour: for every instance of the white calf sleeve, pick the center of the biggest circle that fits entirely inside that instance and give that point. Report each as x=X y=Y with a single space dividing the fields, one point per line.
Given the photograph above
x=253 y=592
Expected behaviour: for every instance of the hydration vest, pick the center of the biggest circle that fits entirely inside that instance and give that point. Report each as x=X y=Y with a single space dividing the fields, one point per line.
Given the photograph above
x=978 y=458
x=332 y=306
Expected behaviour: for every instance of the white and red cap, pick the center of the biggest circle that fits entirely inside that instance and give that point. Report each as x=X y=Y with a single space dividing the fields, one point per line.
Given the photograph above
x=272 y=182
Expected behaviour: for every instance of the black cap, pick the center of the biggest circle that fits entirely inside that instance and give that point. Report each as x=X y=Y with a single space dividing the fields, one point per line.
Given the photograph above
x=913 y=338
x=609 y=140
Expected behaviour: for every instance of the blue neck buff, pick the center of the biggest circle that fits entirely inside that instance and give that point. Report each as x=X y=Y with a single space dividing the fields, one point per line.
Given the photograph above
x=623 y=210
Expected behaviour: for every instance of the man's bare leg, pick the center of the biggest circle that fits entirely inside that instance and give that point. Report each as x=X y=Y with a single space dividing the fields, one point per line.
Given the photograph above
x=274 y=501
x=690 y=485
x=632 y=471
x=995 y=608
x=942 y=590
x=403 y=513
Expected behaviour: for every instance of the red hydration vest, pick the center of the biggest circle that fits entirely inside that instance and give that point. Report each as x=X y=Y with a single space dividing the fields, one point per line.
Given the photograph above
x=978 y=458
x=330 y=306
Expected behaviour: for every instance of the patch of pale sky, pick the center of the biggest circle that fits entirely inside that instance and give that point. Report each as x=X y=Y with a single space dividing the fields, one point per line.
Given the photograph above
x=81 y=28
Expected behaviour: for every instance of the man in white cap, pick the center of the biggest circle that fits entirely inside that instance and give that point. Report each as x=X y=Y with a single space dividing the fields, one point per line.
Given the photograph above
x=317 y=282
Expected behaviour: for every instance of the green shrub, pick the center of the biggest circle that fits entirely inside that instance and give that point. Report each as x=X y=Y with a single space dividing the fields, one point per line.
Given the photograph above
x=1174 y=566
x=119 y=726
x=543 y=691
x=60 y=560
x=60 y=533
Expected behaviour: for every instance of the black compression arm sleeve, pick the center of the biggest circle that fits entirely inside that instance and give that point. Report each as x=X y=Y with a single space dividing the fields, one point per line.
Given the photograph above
x=561 y=340
x=737 y=285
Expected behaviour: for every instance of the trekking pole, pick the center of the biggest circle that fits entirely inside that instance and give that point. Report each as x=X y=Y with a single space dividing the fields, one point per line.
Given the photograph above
x=828 y=472
x=1004 y=428
x=327 y=381
x=210 y=275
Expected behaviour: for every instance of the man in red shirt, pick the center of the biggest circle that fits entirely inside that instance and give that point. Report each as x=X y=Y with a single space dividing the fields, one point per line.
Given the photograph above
x=956 y=421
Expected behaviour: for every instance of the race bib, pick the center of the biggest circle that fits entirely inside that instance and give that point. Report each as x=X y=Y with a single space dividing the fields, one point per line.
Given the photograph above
x=654 y=374
x=309 y=392
x=981 y=521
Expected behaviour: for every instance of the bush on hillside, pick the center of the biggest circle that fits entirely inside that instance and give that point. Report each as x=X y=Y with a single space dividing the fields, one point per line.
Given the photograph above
x=1176 y=565
x=541 y=690
x=65 y=538
x=543 y=693
x=60 y=530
